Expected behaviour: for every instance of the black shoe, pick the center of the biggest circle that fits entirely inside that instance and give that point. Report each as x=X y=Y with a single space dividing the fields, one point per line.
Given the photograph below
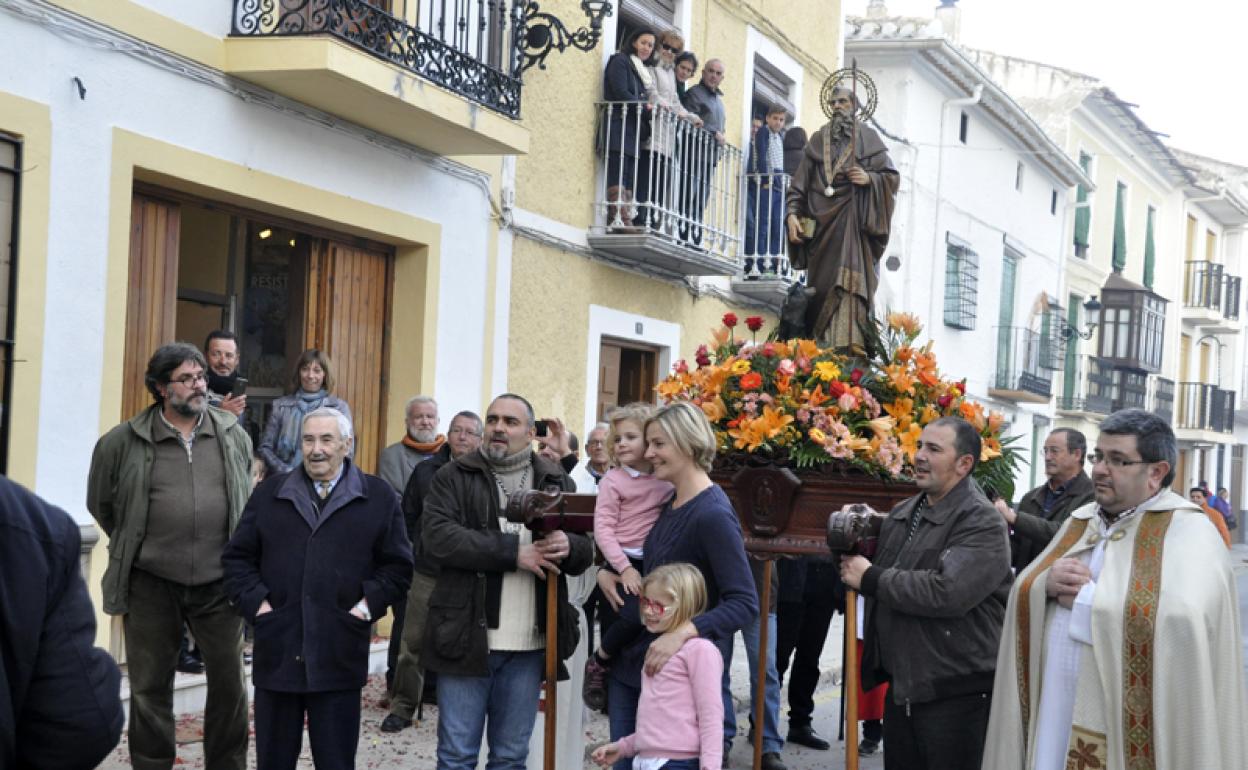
x=772 y=761
x=805 y=736
x=594 y=688
x=190 y=664
x=394 y=723
x=868 y=747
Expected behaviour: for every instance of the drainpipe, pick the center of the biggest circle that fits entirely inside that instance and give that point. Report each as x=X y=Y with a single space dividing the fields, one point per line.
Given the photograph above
x=974 y=98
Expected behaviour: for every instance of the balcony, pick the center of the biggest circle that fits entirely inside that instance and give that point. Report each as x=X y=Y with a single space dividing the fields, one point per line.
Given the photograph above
x=1020 y=376
x=1211 y=297
x=669 y=195
x=1161 y=398
x=1087 y=391
x=441 y=75
x=766 y=274
x=1206 y=413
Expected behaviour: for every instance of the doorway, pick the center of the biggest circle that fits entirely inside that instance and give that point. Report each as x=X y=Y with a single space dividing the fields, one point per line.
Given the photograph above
x=627 y=373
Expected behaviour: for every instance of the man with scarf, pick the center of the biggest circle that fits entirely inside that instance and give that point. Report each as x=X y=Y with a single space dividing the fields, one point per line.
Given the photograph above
x=846 y=183
x=1121 y=645
x=485 y=634
x=421 y=442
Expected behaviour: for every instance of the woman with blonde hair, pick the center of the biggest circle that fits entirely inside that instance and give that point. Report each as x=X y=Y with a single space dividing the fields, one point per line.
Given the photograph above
x=312 y=380
x=681 y=711
x=699 y=526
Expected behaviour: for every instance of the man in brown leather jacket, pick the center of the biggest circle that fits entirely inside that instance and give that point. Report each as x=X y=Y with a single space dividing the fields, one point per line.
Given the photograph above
x=1042 y=510
x=936 y=596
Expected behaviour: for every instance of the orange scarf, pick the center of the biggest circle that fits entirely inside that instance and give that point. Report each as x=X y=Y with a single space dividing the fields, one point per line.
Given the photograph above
x=430 y=448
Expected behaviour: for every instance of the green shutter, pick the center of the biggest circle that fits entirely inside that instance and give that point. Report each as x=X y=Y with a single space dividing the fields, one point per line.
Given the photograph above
x=1150 y=251
x=1083 y=214
x=1070 y=381
x=1120 y=231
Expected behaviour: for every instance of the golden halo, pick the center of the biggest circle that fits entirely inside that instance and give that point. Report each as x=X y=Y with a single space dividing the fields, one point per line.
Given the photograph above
x=865 y=91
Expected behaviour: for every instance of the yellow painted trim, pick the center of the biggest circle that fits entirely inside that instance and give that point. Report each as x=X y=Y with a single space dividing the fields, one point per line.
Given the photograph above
x=31 y=121
x=154 y=27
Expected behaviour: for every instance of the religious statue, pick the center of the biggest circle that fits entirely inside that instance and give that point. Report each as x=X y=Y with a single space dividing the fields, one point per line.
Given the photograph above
x=840 y=207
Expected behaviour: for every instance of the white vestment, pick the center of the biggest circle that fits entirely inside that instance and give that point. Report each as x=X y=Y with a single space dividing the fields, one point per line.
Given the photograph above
x=1161 y=683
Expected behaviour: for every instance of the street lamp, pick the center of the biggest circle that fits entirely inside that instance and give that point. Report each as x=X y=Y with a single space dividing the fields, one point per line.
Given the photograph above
x=1092 y=310
x=539 y=32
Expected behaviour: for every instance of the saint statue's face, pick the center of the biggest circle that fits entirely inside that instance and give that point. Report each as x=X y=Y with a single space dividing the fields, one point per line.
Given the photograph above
x=842 y=102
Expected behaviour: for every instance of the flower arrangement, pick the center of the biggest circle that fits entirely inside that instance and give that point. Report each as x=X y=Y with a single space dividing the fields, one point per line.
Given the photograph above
x=797 y=403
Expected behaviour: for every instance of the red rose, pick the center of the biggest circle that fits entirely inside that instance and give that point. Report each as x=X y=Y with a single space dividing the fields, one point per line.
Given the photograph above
x=855 y=376
x=945 y=401
x=769 y=350
x=730 y=320
x=702 y=357
x=836 y=388
x=961 y=386
x=754 y=323
x=751 y=381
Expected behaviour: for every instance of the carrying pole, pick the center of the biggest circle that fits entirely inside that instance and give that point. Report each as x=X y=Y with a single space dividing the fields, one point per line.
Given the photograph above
x=552 y=666
x=761 y=681
x=851 y=683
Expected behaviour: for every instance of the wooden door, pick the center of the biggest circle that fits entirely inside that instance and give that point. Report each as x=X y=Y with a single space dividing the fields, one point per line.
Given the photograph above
x=348 y=318
x=151 y=295
x=608 y=379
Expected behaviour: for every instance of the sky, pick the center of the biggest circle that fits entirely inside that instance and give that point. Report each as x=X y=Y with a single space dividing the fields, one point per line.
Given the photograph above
x=1147 y=51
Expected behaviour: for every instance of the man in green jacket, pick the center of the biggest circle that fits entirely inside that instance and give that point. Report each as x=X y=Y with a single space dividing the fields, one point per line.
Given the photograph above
x=168 y=487
x=1042 y=510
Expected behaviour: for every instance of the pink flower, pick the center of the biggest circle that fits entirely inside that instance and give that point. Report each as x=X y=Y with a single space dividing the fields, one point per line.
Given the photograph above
x=680 y=367
x=769 y=350
x=873 y=406
x=786 y=367
x=803 y=415
x=847 y=402
x=803 y=363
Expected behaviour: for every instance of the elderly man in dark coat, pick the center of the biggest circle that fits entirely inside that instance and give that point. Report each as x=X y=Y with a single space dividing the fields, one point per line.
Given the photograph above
x=849 y=192
x=320 y=553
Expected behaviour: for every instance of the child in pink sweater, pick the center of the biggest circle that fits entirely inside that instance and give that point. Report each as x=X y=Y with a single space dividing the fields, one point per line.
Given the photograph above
x=681 y=712
x=629 y=500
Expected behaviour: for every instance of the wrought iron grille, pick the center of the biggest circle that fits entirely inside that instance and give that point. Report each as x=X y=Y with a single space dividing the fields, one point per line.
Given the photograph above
x=1205 y=407
x=1130 y=389
x=1162 y=402
x=1231 y=286
x=1088 y=387
x=1018 y=362
x=1203 y=285
x=961 y=285
x=465 y=46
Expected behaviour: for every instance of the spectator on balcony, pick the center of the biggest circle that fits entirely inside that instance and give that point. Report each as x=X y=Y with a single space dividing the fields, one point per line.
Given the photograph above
x=1198 y=496
x=794 y=143
x=654 y=183
x=765 y=188
x=1043 y=510
x=626 y=85
x=706 y=101
x=686 y=65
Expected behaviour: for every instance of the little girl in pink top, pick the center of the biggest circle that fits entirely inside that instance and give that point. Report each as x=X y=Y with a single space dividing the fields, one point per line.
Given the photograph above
x=629 y=498
x=681 y=712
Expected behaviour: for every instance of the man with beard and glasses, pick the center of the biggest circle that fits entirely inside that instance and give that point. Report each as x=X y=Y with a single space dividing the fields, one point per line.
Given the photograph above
x=485 y=635
x=849 y=192
x=1122 y=645
x=935 y=596
x=168 y=487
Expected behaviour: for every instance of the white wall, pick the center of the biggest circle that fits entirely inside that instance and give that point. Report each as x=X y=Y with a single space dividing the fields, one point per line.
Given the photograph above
x=126 y=91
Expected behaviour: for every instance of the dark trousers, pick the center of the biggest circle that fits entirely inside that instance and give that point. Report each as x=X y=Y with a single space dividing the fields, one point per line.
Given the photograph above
x=157 y=610
x=333 y=728
x=801 y=629
x=399 y=609
x=946 y=734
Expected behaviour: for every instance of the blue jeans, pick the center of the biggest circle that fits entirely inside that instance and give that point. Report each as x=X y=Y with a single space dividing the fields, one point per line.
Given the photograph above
x=622 y=702
x=507 y=697
x=682 y=764
x=772 y=742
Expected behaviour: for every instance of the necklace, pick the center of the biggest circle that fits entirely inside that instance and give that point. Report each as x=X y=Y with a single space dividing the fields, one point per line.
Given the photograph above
x=830 y=170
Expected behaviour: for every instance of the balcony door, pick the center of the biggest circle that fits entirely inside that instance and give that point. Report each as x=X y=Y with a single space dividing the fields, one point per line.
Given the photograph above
x=627 y=373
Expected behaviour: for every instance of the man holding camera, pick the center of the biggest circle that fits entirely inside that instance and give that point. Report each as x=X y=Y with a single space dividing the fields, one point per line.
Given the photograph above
x=936 y=597
x=225 y=389
x=485 y=632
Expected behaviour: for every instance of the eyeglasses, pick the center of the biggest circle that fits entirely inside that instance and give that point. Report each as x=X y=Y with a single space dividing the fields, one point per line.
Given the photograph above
x=595 y=442
x=672 y=48
x=650 y=604
x=463 y=432
x=1117 y=462
x=189 y=380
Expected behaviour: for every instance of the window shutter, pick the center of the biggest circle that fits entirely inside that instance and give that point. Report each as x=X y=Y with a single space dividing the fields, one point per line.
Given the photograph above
x=151 y=298
x=771 y=86
x=658 y=15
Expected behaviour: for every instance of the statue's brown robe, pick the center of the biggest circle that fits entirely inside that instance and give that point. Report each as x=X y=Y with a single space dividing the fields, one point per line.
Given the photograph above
x=851 y=232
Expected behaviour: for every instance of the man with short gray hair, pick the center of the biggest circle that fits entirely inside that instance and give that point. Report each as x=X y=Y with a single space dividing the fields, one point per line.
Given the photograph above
x=420 y=442
x=1042 y=510
x=1122 y=639
x=320 y=553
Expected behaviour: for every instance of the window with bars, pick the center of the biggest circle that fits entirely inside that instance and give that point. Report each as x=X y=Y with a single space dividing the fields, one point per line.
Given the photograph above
x=10 y=199
x=961 y=284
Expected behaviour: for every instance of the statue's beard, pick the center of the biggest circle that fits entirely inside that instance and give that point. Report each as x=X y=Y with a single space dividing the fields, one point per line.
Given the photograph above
x=842 y=125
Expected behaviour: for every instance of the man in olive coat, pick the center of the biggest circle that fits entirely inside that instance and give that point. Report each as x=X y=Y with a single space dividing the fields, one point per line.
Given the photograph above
x=320 y=553
x=1042 y=510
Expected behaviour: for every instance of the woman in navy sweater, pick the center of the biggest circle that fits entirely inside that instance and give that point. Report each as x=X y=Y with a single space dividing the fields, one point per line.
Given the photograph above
x=699 y=526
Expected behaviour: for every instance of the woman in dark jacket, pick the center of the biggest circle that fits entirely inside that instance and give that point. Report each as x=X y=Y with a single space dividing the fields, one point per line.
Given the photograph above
x=627 y=120
x=794 y=142
x=698 y=526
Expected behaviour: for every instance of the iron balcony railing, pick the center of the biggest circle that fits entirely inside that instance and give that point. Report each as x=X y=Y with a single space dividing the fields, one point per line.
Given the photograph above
x=765 y=242
x=1202 y=285
x=1088 y=387
x=465 y=46
x=1205 y=407
x=1231 y=290
x=663 y=176
x=1019 y=352
x=1161 y=398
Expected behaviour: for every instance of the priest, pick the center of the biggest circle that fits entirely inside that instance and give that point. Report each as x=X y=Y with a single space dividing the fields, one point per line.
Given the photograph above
x=840 y=207
x=1121 y=646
